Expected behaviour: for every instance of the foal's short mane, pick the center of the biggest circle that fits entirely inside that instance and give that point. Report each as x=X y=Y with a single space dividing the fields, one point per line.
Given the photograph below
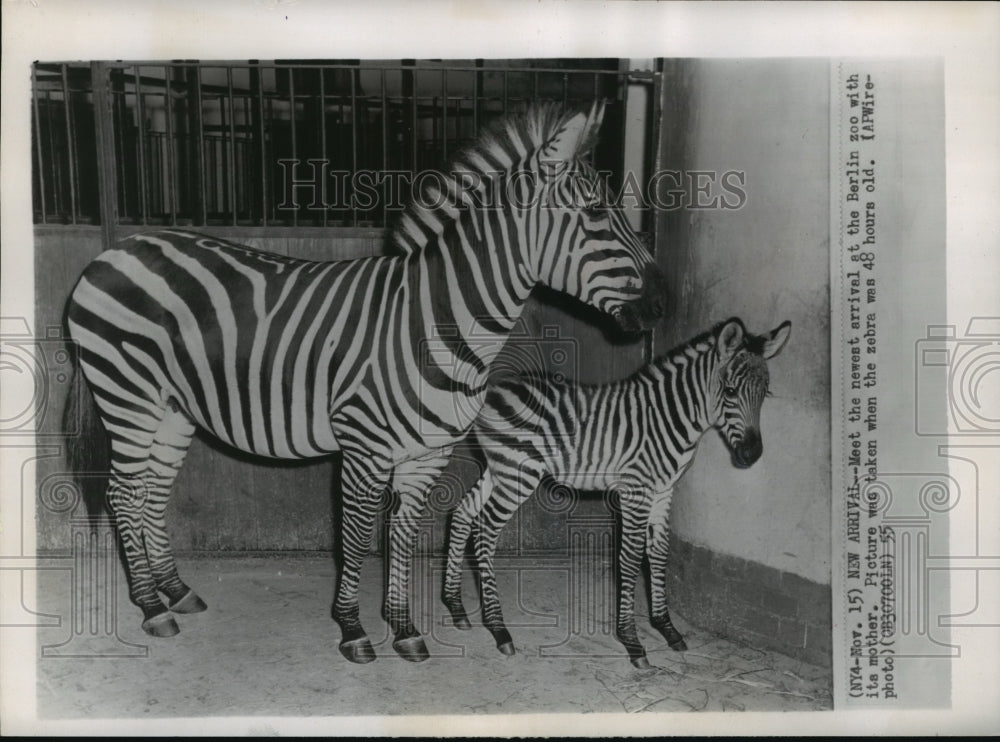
x=752 y=343
x=504 y=143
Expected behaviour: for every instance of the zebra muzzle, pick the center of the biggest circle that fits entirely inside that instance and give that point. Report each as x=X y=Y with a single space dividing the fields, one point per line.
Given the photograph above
x=646 y=310
x=746 y=453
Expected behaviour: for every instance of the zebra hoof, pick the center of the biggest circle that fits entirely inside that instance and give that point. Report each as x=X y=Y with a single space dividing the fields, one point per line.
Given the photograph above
x=161 y=625
x=640 y=663
x=678 y=646
x=411 y=648
x=459 y=618
x=190 y=603
x=506 y=648
x=358 y=651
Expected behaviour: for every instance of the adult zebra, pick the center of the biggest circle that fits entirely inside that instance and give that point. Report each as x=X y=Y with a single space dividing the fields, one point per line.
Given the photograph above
x=383 y=359
x=637 y=436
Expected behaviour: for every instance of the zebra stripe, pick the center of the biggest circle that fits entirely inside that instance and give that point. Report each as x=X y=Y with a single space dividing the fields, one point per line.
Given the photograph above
x=384 y=359
x=636 y=436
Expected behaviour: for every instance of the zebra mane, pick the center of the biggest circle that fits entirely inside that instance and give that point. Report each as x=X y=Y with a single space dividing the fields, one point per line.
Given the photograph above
x=705 y=340
x=504 y=144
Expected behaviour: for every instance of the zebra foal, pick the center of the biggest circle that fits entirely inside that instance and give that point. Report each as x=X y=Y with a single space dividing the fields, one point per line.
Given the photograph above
x=638 y=436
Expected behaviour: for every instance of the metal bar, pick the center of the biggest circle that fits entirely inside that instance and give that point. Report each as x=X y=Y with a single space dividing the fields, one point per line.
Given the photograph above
x=195 y=117
x=209 y=145
x=565 y=99
x=385 y=142
x=257 y=86
x=410 y=88
x=117 y=108
x=504 y=110
x=477 y=84
x=291 y=97
x=655 y=140
x=354 y=139
x=222 y=179
x=622 y=84
x=322 y=131
x=70 y=146
x=171 y=163
x=141 y=120
x=444 y=116
x=56 y=179
x=107 y=171
x=353 y=66
x=37 y=125
x=231 y=172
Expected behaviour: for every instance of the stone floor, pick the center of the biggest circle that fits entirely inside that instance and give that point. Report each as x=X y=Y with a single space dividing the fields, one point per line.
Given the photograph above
x=267 y=647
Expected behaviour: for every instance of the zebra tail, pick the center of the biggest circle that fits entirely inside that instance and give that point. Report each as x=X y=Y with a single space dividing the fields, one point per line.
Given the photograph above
x=88 y=453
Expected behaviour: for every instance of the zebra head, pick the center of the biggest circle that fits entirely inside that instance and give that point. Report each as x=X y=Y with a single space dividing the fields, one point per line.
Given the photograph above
x=583 y=245
x=739 y=385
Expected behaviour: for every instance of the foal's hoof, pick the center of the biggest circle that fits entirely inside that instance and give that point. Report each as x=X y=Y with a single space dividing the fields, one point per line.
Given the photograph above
x=678 y=646
x=190 y=603
x=459 y=618
x=162 y=625
x=359 y=651
x=641 y=663
x=411 y=648
x=504 y=641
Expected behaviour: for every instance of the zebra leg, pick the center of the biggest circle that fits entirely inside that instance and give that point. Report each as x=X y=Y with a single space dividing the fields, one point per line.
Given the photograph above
x=511 y=489
x=635 y=504
x=363 y=482
x=170 y=447
x=128 y=495
x=459 y=528
x=657 y=543
x=411 y=481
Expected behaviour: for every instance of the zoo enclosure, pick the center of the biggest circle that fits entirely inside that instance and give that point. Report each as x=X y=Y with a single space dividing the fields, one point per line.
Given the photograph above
x=120 y=147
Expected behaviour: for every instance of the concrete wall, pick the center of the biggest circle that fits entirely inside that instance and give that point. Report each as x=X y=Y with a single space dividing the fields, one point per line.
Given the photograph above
x=763 y=534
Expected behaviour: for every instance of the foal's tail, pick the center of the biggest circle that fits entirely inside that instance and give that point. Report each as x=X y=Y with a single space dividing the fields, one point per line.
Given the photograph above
x=88 y=454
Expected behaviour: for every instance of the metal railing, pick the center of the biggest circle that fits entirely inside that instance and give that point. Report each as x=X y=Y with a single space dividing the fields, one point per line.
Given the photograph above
x=276 y=143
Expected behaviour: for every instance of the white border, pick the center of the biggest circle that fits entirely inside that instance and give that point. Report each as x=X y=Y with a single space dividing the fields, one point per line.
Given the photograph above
x=965 y=35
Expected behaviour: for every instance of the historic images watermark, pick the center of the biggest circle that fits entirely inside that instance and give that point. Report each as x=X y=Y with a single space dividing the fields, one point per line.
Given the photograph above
x=315 y=185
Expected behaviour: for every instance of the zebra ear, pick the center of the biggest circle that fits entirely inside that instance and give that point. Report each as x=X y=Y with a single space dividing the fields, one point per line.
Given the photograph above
x=775 y=340
x=575 y=136
x=730 y=339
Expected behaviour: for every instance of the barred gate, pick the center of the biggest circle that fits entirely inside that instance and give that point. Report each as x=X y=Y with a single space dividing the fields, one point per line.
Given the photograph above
x=281 y=144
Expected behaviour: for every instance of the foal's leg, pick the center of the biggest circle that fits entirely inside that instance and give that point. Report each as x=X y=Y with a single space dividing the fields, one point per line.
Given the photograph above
x=635 y=503
x=514 y=483
x=459 y=528
x=657 y=543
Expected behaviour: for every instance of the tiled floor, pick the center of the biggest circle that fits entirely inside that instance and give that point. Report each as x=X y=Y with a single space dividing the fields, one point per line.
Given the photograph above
x=267 y=646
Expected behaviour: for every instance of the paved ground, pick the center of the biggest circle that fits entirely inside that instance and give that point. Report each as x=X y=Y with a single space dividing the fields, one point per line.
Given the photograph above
x=267 y=647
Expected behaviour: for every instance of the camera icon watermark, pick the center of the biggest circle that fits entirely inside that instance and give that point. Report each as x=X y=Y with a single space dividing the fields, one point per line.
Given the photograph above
x=968 y=369
x=37 y=373
x=453 y=366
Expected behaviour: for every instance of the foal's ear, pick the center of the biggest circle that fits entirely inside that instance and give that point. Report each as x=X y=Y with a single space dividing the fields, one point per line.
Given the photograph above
x=775 y=340
x=577 y=135
x=730 y=339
